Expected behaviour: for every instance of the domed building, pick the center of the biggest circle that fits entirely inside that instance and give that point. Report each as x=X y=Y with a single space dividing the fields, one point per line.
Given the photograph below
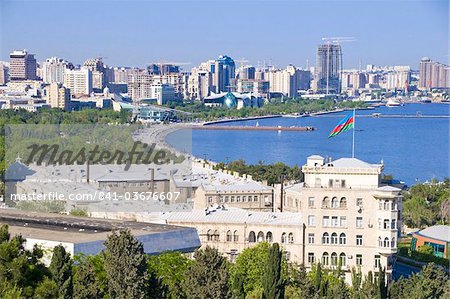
x=234 y=100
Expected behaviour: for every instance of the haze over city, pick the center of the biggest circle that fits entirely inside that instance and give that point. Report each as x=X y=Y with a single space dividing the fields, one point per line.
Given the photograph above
x=136 y=33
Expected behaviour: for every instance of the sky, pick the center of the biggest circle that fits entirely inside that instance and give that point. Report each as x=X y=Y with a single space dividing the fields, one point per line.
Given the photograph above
x=135 y=33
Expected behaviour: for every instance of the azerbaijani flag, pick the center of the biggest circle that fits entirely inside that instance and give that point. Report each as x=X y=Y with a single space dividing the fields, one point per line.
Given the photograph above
x=345 y=124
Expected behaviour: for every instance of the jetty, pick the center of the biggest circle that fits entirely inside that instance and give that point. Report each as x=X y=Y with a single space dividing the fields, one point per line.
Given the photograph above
x=251 y=128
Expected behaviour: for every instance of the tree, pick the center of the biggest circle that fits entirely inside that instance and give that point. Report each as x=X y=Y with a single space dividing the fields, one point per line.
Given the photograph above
x=47 y=289
x=170 y=269
x=125 y=266
x=207 y=276
x=86 y=283
x=249 y=267
x=61 y=269
x=273 y=283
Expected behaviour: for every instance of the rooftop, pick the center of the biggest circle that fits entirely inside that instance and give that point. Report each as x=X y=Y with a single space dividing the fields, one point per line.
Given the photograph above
x=438 y=232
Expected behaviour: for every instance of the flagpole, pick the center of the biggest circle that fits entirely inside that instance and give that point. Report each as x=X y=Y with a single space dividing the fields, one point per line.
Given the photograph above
x=353 y=142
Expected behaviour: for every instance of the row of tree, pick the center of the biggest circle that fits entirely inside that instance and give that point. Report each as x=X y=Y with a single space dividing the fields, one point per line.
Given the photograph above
x=123 y=270
x=276 y=106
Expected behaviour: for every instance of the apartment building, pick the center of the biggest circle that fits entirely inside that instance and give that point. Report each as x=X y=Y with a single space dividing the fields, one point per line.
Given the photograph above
x=78 y=81
x=58 y=96
x=351 y=219
x=22 y=66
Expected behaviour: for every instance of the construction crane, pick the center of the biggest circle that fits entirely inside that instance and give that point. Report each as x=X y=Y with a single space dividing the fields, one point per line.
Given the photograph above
x=241 y=61
x=337 y=41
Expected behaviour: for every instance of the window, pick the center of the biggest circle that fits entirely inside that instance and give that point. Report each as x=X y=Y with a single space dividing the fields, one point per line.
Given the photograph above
x=394 y=206
x=334 y=221
x=380 y=223
x=342 y=259
x=334 y=238
x=310 y=258
x=291 y=238
x=393 y=242
x=226 y=198
x=209 y=235
x=343 y=203
x=255 y=198
x=310 y=238
x=235 y=236
x=252 y=237
x=325 y=259
x=343 y=221
x=386 y=242
x=216 y=236
x=377 y=261
x=393 y=224
x=342 y=239
x=359 y=259
x=359 y=202
x=269 y=237
x=238 y=198
x=343 y=184
x=359 y=240
x=244 y=198
x=386 y=205
x=359 y=222
x=312 y=220
x=283 y=238
x=380 y=242
x=229 y=236
x=325 y=203
x=209 y=199
x=326 y=238
x=260 y=237
x=334 y=203
x=326 y=221
x=232 y=199
x=311 y=202
x=330 y=183
x=386 y=224
x=334 y=259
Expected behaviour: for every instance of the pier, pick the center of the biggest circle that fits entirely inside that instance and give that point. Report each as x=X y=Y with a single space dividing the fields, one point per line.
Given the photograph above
x=252 y=128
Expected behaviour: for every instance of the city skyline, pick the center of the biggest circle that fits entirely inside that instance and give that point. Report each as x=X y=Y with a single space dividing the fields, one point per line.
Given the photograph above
x=196 y=31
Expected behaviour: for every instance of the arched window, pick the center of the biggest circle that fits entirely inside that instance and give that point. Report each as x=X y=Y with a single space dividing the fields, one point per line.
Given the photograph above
x=216 y=235
x=326 y=202
x=343 y=203
x=334 y=203
x=380 y=242
x=291 y=238
x=334 y=238
x=342 y=259
x=283 y=238
x=342 y=239
x=386 y=242
x=252 y=237
x=269 y=237
x=334 y=259
x=235 y=236
x=209 y=236
x=393 y=242
x=229 y=236
x=260 y=237
x=326 y=238
x=325 y=259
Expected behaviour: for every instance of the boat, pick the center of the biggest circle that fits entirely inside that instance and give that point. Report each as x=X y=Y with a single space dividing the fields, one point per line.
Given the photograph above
x=393 y=103
x=425 y=100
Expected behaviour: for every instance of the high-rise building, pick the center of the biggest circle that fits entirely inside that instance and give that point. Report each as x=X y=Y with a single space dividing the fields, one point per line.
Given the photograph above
x=163 y=93
x=3 y=74
x=53 y=70
x=58 y=96
x=78 y=81
x=22 y=66
x=433 y=74
x=328 y=68
x=139 y=86
x=97 y=68
x=288 y=81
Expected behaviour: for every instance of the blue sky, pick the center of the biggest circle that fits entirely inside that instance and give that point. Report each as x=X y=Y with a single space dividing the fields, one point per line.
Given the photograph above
x=135 y=33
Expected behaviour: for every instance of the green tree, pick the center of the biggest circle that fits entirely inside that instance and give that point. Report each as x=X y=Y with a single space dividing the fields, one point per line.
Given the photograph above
x=47 y=289
x=250 y=267
x=86 y=280
x=273 y=283
x=207 y=276
x=125 y=266
x=61 y=269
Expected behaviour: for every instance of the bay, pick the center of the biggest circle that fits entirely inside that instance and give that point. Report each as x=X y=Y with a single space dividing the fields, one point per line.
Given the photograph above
x=412 y=149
